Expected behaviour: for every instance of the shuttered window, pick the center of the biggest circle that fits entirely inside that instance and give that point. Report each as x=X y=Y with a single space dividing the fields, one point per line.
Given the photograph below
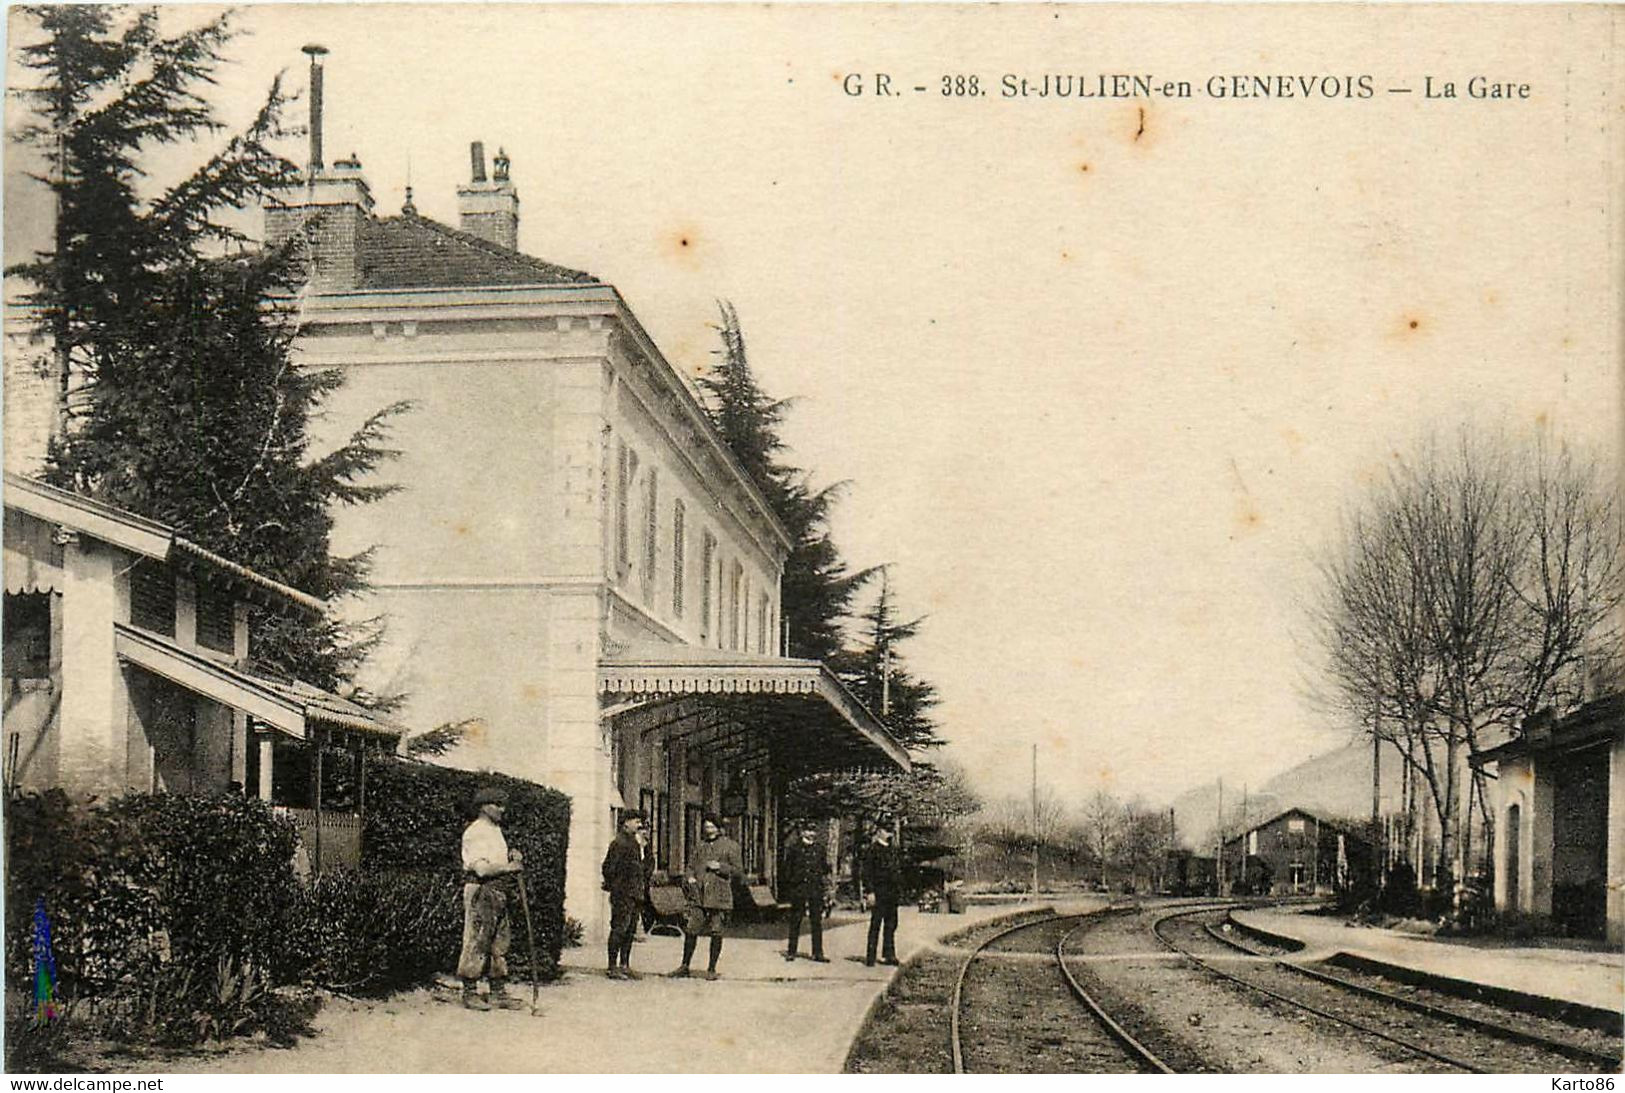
x=708 y=551
x=216 y=627
x=651 y=533
x=678 y=545
x=152 y=597
x=737 y=579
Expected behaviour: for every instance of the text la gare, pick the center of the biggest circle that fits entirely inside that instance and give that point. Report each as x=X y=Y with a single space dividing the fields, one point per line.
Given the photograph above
x=1478 y=87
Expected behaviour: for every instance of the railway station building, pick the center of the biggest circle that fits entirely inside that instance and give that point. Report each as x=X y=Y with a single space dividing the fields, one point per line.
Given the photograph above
x=1559 y=798
x=576 y=562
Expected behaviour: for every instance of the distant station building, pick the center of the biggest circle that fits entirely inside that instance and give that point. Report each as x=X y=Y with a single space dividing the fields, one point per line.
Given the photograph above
x=1295 y=853
x=576 y=560
x=1559 y=798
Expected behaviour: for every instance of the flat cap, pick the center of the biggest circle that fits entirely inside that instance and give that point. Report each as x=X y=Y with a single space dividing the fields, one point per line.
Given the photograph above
x=491 y=795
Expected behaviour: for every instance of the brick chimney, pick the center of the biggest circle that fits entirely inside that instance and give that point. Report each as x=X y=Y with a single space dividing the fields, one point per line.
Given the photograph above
x=489 y=208
x=328 y=205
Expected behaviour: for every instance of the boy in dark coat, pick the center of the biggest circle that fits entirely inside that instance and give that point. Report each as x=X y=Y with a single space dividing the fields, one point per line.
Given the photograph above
x=806 y=873
x=623 y=880
x=883 y=880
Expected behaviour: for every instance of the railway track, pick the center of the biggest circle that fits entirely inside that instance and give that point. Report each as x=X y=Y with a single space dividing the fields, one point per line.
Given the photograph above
x=1451 y=1014
x=1368 y=1010
x=1109 y=1038
x=1107 y=1028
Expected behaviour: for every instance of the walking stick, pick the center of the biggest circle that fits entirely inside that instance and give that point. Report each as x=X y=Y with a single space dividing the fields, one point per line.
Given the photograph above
x=530 y=940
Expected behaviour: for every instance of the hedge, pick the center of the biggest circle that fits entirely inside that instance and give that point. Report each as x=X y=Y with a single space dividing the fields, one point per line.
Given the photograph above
x=157 y=902
x=168 y=912
x=415 y=816
x=146 y=881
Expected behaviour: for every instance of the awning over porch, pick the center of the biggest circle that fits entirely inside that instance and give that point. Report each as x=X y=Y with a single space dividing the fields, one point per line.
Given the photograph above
x=208 y=678
x=288 y=706
x=800 y=706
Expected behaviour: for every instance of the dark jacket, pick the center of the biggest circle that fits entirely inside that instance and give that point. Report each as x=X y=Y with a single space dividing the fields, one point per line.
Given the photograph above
x=806 y=869
x=623 y=868
x=714 y=887
x=883 y=872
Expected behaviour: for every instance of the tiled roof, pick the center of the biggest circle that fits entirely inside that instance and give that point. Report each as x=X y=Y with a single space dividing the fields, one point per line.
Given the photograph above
x=324 y=707
x=410 y=251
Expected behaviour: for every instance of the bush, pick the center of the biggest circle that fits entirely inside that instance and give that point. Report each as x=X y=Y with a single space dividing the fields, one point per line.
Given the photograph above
x=167 y=910
x=177 y=916
x=373 y=932
x=416 y=813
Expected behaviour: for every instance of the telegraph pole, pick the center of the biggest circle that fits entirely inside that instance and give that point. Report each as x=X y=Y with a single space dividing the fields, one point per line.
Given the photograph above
x=1218 y=832
x=1035 y=821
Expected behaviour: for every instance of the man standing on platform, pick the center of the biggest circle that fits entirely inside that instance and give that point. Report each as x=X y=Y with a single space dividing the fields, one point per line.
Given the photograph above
x=712 y=867
x=806 y=874
x=883 y=882
x=623 y=880
x=486 y=932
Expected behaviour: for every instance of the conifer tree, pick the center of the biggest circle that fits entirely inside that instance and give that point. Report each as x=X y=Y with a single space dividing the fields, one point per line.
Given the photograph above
x=172 y=336
x=877 y=672
x=818 y=586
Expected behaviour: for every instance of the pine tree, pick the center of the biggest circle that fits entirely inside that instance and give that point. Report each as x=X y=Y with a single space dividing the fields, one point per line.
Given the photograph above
x=878 y=674
x=173 y=337
x=818 y=587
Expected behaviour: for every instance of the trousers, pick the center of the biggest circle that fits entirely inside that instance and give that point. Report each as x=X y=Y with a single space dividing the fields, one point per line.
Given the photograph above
x=813 y=908
x=883 y=916
x=623 y=927
x=486 y=932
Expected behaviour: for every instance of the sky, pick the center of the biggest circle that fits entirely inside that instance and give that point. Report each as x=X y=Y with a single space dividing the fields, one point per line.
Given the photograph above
x=1102 y=373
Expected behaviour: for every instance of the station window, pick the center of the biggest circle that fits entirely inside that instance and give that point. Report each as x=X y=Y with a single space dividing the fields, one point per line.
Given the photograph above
x=678 y=545
x=651 y=532
x=27 y=629
x=1295 y=825
x=708 y=551
x=626 y=469
x=216 y=624
x=734 y=583
x=761 y=624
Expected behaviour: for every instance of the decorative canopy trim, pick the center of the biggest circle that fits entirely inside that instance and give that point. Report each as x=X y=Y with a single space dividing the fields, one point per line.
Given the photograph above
x=678 y=670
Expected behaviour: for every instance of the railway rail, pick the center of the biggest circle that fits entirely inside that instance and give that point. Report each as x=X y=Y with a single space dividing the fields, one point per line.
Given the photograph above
x=1369 y=995
x=1448 y=1014
x=1138 y=1055
x=989 y=990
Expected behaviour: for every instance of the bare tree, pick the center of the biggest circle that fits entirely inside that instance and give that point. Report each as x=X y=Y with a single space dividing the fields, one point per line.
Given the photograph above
x=1103 y=821
x=1473 y=586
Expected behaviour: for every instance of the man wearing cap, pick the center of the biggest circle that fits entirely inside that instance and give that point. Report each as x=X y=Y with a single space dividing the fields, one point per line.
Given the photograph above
x=883 y=877
x=805 y=876
x=486 y=860
x=712 y=867
x=624 y=881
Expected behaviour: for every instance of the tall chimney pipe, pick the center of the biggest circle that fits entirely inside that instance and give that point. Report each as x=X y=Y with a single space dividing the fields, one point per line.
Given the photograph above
x=316 y=53
x=476 y=155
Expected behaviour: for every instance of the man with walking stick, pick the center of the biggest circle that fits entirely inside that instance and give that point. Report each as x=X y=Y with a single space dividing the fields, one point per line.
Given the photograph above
x=486 y=931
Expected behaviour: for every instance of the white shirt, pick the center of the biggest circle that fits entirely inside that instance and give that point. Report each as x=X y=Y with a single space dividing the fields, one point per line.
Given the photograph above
x=485 y=851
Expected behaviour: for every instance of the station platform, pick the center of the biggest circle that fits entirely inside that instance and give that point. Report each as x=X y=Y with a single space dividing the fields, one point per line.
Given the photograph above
x=1593 y=980
x=765 y=1015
